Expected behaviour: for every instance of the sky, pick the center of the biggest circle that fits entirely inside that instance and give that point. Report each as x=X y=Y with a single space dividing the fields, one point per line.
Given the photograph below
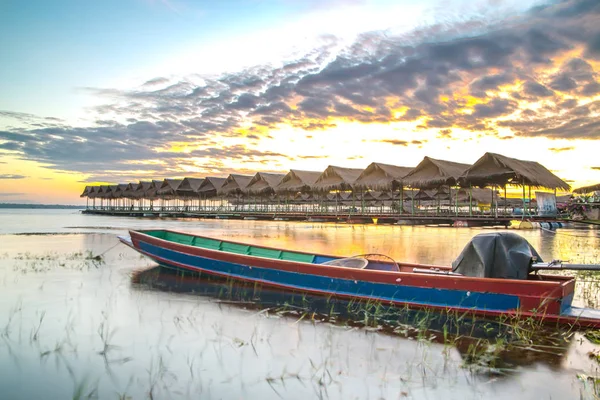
x=129 y=90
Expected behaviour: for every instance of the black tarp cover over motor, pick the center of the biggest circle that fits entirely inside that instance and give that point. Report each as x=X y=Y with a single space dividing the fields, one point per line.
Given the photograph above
x=496 y=255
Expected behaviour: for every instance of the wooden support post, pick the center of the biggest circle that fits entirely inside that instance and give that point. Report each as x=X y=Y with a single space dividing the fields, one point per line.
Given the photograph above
x=455 y=200
x=529 y=204
x=523 y=213
x=401 y=208
x=505 y=199
x=495 y=201
x=470 y=200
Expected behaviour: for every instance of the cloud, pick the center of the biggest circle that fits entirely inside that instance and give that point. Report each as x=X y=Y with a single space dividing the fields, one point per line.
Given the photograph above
x=480 y=86
x=156 y=81
x=561 y=149
x=309 y=157
x=473 y=76
x=11 y=176
x=494 y=108
x=11 y=194
x=535 y=89
x=397 y=142
x=593 y=47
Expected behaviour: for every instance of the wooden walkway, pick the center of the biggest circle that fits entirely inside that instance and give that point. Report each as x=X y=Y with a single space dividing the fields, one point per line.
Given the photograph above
x=313 y=216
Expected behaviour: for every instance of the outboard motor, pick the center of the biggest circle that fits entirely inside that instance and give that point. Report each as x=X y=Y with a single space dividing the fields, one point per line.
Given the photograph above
x=496 y=255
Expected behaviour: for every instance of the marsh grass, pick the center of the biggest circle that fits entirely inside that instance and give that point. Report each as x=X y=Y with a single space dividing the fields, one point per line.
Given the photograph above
x=85 y=388
x=39 y=263
x=489 y=347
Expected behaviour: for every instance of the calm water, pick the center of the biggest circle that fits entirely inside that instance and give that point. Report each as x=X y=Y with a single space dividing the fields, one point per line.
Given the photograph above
x=72 y=327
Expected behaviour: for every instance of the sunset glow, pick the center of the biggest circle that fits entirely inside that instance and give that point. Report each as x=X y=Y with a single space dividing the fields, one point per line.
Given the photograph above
x=277 y=85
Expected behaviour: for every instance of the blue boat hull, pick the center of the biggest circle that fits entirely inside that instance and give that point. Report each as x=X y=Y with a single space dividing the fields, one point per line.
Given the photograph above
x=387 y=293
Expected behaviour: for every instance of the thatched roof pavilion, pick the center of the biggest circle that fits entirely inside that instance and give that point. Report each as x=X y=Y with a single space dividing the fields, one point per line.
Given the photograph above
x=264 y=183
x=101 y=191
x=370 y=196
x=189 y=187
x=141 y=189
x=496 y=169
x=587 y=189
x=112 y=191
x=151 y=192
x=86 y=191
x=169 y=187
x=378 y=176
x=426 y=195
x=304 y=197
x=337 y=178
x=211 y=186
x=108 y=190
x=118 y=190
x=129 y=191
x=442 y=193
x=93 y=192
x=297 y=181
x=432 y=173
x=234 y=183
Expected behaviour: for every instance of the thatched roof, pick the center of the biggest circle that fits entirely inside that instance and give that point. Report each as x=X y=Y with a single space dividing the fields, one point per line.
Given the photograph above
x=130 y=190
x=304 y=198
x=141 y=189
x=387 y=196
x=378 y=176
x=263 y=182
x=337 y=178
x=93 y=192
x=169 y=187
x=112 y=191
x=297 y=180
x=211 y=186
x=100 y=191
x=432 y=173
x=369 y=196
x=86 y=191
x=442 y=193
x=106 y=191
x=425 y=195
x=117 y=191
x=234 y=183
x=408 y=194
x=587 y=189
x=189 y=187
x=496 y=169
x=151 y=192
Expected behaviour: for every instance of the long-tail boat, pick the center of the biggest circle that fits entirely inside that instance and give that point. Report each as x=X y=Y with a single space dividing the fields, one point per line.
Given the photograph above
x=497 y=274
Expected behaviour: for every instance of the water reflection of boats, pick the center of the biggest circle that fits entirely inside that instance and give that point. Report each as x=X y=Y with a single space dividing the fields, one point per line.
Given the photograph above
x=493 y=277
x=494 y=345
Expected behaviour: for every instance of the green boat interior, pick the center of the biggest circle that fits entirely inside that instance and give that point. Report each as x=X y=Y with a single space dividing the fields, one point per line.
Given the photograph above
x=275 y=254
